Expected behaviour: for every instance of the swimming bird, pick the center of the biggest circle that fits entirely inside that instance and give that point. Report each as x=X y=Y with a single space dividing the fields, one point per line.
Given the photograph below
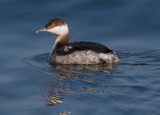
x=81 y=52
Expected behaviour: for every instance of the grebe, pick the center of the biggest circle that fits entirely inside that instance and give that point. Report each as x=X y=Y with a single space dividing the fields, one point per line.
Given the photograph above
x=78 y=52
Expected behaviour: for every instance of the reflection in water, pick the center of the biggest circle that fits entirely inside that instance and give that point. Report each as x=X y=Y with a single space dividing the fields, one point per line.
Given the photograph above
x=53 y=100
x=66 y=80
x=79 y=73
x=64 y=113
x=93 y=90
x=81 y=68
x=76 y=72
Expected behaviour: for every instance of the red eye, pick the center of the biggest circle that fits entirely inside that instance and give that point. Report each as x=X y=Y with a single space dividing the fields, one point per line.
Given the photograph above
x=51 y=26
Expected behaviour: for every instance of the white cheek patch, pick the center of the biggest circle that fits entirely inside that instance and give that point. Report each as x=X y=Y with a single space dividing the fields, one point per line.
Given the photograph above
x=59 y=30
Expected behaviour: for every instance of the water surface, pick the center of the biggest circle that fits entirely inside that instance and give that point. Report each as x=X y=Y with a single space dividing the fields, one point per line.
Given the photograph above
x=29 y=85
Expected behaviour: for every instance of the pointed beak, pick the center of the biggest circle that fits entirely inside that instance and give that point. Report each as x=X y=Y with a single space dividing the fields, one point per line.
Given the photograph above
x=41 y=30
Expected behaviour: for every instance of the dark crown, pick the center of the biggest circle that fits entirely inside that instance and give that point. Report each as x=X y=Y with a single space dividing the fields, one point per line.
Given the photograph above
x=55 y=22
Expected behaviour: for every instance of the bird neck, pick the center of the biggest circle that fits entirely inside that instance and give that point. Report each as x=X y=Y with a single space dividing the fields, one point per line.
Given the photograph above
x=61 y=40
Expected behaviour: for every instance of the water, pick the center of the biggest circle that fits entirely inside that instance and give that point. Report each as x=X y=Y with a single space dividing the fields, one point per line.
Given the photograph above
x=29 y=85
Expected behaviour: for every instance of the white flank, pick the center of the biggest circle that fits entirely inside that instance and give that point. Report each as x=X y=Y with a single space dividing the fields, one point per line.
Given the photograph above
x=85 y=57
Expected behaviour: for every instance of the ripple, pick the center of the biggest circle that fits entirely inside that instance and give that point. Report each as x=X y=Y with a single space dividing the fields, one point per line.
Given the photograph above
x=65 y=80
x=141 y=58
x=129 y=82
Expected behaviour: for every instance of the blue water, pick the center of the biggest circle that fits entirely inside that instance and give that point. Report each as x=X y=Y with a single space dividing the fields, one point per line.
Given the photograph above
x=29 y=85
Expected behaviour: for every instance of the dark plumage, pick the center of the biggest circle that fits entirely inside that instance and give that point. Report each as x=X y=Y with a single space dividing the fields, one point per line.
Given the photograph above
x=79 y=46
x=55 y=22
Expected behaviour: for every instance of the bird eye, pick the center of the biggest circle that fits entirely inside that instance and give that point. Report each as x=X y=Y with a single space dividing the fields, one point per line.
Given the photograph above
x=51 y=26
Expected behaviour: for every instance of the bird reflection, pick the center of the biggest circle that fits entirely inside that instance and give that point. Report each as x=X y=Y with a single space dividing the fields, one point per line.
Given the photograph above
x=76 y=72
x=80 y=68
